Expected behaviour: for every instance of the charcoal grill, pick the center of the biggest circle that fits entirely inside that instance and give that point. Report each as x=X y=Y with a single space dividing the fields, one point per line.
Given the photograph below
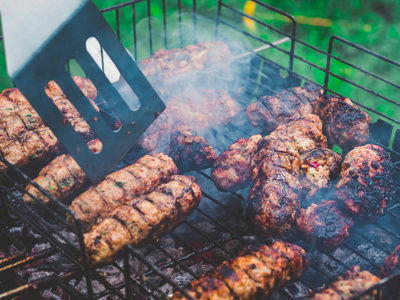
x=217 y=230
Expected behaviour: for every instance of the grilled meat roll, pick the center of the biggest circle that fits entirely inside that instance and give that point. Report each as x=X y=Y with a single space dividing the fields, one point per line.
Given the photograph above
x=62 y=177
x=188 y=111
x=166 y=67
x=143 y=219
x=273 y=204
x=191 y=152
x=288 y=105
x=324 y=225
x=350 y=284
x=254 y=274
x=345 y=123
x=392 y=263
x=317 y=167
x=119 y=187
x=366 y=182
x=232 y=170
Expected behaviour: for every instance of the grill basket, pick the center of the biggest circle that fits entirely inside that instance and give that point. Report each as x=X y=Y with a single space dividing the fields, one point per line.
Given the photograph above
x=156 y=270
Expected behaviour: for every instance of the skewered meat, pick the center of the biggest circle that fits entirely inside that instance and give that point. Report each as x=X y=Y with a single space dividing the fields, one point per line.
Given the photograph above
x=392 y=263
x=143 y=219
x=317 y=167
x=24 y=138
x=191 y=152
x=185 y=111
x=288 y=105
x=254 y=274
x=345 y=123
x=62 y=177
x=366 y=182
x=273 y=204
x=305 y=133
x=166 y=67
x=119 y=187
x=232 y=169
x=350 y=284
x=324 y=225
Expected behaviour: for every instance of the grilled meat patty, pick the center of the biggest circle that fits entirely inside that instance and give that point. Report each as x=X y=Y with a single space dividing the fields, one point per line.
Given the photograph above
x=345 y=123
x=143 y=219
x=392 y=263
x=167 y=67
x=324 y=225
x=24 y=138
x=62 y=177
x=273 y=205
x=288 y=105
x=366 y=182
x=317 y=167
x=191 y=152
x=232 y=170
x=254 y=274
x=187 y=111
x=119 y=187
x=350 y=284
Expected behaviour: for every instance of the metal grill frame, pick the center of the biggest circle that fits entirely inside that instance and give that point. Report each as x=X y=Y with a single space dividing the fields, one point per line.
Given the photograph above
x=36 y=217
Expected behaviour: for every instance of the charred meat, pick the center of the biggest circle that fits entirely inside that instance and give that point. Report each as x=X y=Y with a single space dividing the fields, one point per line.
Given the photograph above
x=119 y=187
x=62 y=177
x=349 y=285
x=317 y=167
x=288 y=105
x=254 y=274
x=191 y=152
x=232 y=170
x=324 y=225
x=345 y=123
x=366 y=182
x=143 y=219
x=392 y=263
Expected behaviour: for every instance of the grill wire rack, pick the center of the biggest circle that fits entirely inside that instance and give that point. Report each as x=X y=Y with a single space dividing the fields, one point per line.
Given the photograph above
x=146 y=278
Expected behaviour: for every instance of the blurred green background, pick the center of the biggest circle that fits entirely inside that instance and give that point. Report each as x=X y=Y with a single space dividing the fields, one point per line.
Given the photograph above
x=370 y=23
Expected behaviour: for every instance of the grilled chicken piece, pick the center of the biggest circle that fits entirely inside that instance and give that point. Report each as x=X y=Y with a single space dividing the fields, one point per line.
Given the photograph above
x=273 y=204
x=392 y=263
x=350 y=284
x=24 y=138
x=345 y=123
x=288 y=105
x=188 y=111
x=191 y=152
x=324 y=225
x=122 y=186
x=62 y=177
x=232 y=169
x=366 y=182
x=254 y=274
x=167 y=67
x=317 y=167
x=305 y=133
x=143 y=219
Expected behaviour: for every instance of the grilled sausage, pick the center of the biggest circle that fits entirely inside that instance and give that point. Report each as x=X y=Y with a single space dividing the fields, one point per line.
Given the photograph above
x=345 y=123
x=143 y=219
x=232 y=169
x=392 y=263
x=366 y=182
x=62 y=177
x=350 y=284
x=254 y=274
x=121 y=186
x=288 y=105
x=324 y=225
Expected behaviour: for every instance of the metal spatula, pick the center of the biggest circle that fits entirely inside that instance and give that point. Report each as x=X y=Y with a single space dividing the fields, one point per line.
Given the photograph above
x=40 y=37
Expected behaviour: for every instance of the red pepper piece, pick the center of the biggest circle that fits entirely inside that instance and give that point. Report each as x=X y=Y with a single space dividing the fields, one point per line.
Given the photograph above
x=313 y=164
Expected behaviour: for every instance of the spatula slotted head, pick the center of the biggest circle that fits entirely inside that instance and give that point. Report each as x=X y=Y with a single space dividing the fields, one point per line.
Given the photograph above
x=32 y=72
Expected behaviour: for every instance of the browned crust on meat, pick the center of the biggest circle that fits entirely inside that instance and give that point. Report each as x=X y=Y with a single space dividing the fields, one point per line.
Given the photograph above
x=392 y=263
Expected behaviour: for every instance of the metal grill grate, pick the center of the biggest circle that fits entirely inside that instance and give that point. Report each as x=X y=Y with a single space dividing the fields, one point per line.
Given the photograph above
x=218 y=229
